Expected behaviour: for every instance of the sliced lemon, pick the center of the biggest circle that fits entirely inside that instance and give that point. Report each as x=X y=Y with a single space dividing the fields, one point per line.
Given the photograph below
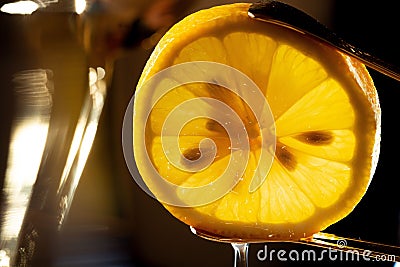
x=327 y=127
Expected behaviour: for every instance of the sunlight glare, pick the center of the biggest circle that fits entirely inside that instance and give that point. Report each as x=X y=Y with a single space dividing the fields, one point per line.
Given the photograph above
x=20 y=7
x=80 y=6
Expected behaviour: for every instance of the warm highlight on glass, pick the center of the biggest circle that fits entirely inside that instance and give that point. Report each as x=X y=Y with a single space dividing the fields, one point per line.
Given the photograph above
x=54 y=103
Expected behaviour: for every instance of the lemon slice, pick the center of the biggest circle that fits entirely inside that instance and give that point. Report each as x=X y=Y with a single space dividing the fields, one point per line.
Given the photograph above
x=325 y=131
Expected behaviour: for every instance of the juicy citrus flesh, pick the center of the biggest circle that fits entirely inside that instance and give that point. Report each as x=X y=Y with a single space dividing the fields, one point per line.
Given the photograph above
x=327 y=122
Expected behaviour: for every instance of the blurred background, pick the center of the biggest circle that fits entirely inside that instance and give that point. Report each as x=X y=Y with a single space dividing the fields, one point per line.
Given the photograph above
x=107 y=219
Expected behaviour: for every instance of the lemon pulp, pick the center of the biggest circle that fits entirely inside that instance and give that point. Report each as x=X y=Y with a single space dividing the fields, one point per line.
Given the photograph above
x=327 y=123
